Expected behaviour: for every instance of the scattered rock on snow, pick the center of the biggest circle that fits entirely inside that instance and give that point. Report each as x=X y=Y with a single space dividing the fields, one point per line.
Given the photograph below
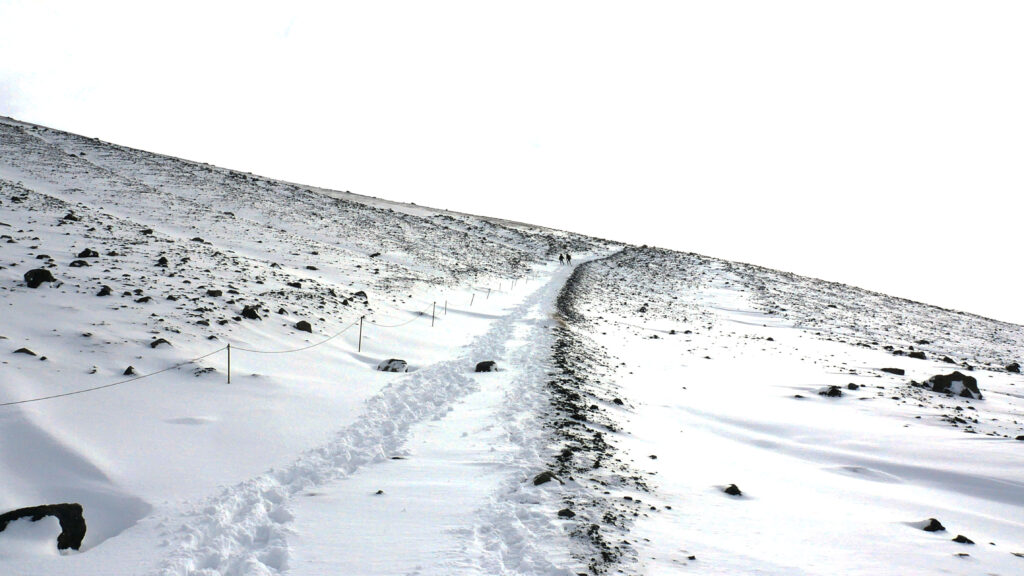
x=896 y=371
x=566 y=513
x=88 y=253
x=104 y=291
x=158 y=342
x=831 y=392
x=917 y=355
x=393 y=365
x=956 y=383
x=1014 y=367
x=251 y=312
x=304 y=326
x=24 y=351
x=78 y=264
x=487 y=366
x=934 y=526
x=37 y=276
x=129 y=371
x=545 y=477
x=960 y=538
x=72 y=523
x=733 y=490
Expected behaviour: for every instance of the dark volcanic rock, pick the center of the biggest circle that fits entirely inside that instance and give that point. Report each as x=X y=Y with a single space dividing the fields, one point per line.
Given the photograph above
x=545 y=477
x=162 y=262
x=24 y=351
x=393 y=365
x=733 y=490
x=960 y=538
x=917 y=355
x=158 y=342
x=955 y=383
x=78 y=264
x=487 y=366
x=896 y=371
x=1014 y=367
x=72 y=523
x=251 y=312
x=832 y=392
x=566 y=513
x=37 y=276
x=215 y=293
x=934 y=526
x=88 y=253
x=129 y=371
x=304 y=326
x=104 y=291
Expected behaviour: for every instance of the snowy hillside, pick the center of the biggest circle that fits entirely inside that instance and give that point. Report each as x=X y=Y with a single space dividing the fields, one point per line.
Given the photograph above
x=633 y=387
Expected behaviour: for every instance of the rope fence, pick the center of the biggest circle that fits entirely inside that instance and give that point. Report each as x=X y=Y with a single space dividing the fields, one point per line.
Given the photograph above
x=228 y=348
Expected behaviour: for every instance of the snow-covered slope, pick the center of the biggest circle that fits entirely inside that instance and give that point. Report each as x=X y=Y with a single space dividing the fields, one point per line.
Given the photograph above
x=638 y=382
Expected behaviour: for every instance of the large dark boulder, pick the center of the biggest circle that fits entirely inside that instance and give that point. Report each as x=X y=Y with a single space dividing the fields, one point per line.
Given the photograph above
x=393 y=365
x=956 y=383
x=304 y=326
x=487 y=366
x=37 y=276
x=251 y=312
x=1014 y=367
x=72 y=523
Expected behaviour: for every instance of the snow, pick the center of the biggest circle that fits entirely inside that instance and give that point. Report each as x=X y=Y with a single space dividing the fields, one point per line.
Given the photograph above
x=646 y=380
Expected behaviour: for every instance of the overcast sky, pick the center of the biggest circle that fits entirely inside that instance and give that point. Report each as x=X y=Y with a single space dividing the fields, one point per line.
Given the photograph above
x=879 y=144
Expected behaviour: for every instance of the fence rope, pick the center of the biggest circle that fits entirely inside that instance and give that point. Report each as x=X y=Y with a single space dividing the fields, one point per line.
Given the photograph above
x=250 y=350
x=133 y=379
x=416 y=317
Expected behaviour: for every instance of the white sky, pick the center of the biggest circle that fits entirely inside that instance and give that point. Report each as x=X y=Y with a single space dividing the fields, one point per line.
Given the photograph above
x=879 y=144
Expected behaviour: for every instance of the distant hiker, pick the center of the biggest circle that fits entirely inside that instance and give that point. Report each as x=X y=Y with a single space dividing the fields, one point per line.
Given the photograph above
x=568 y=258
x=561 y=259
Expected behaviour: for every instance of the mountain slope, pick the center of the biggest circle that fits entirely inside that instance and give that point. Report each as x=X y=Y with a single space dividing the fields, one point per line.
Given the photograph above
x=638 y=383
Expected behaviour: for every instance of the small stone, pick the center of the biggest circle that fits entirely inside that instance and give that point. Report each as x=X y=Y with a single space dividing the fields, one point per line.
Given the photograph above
x=158 y=342
x=251 y=312
x=88 y=253
x=896 y=371
x=24 y=351
x=545 y=477
x=487 y=366
x=129 y=371
x=934 y=526
x=78 y=264
x=961 y=539
x=1014 y=367
x=304 y=326
x=34 y=278
x=566 y=513
x=733 y=490
x=104 y=291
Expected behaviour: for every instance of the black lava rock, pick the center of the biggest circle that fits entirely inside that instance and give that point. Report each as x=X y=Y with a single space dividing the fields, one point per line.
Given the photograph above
x=72 y=523
x=393 y=365
x=158 y=342
x=917 y=355
x=251 y=312
x=215 y=293
x=88 y=253
x=78 y=264
x=24 y=351
x=733 y=490
x=934 y=526
x=961 y=539
x=304 y=326
x=566 y=513
x=545 y=477
x=896 y=371
x=104 y=291
x=129 y=371
x=37 y=276
x=956 y=383
x=487 y=366
x=1014 y=367
x=832 y=392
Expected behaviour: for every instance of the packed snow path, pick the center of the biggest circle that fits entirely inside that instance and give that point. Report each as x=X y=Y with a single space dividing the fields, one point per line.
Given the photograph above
x=249 y=528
